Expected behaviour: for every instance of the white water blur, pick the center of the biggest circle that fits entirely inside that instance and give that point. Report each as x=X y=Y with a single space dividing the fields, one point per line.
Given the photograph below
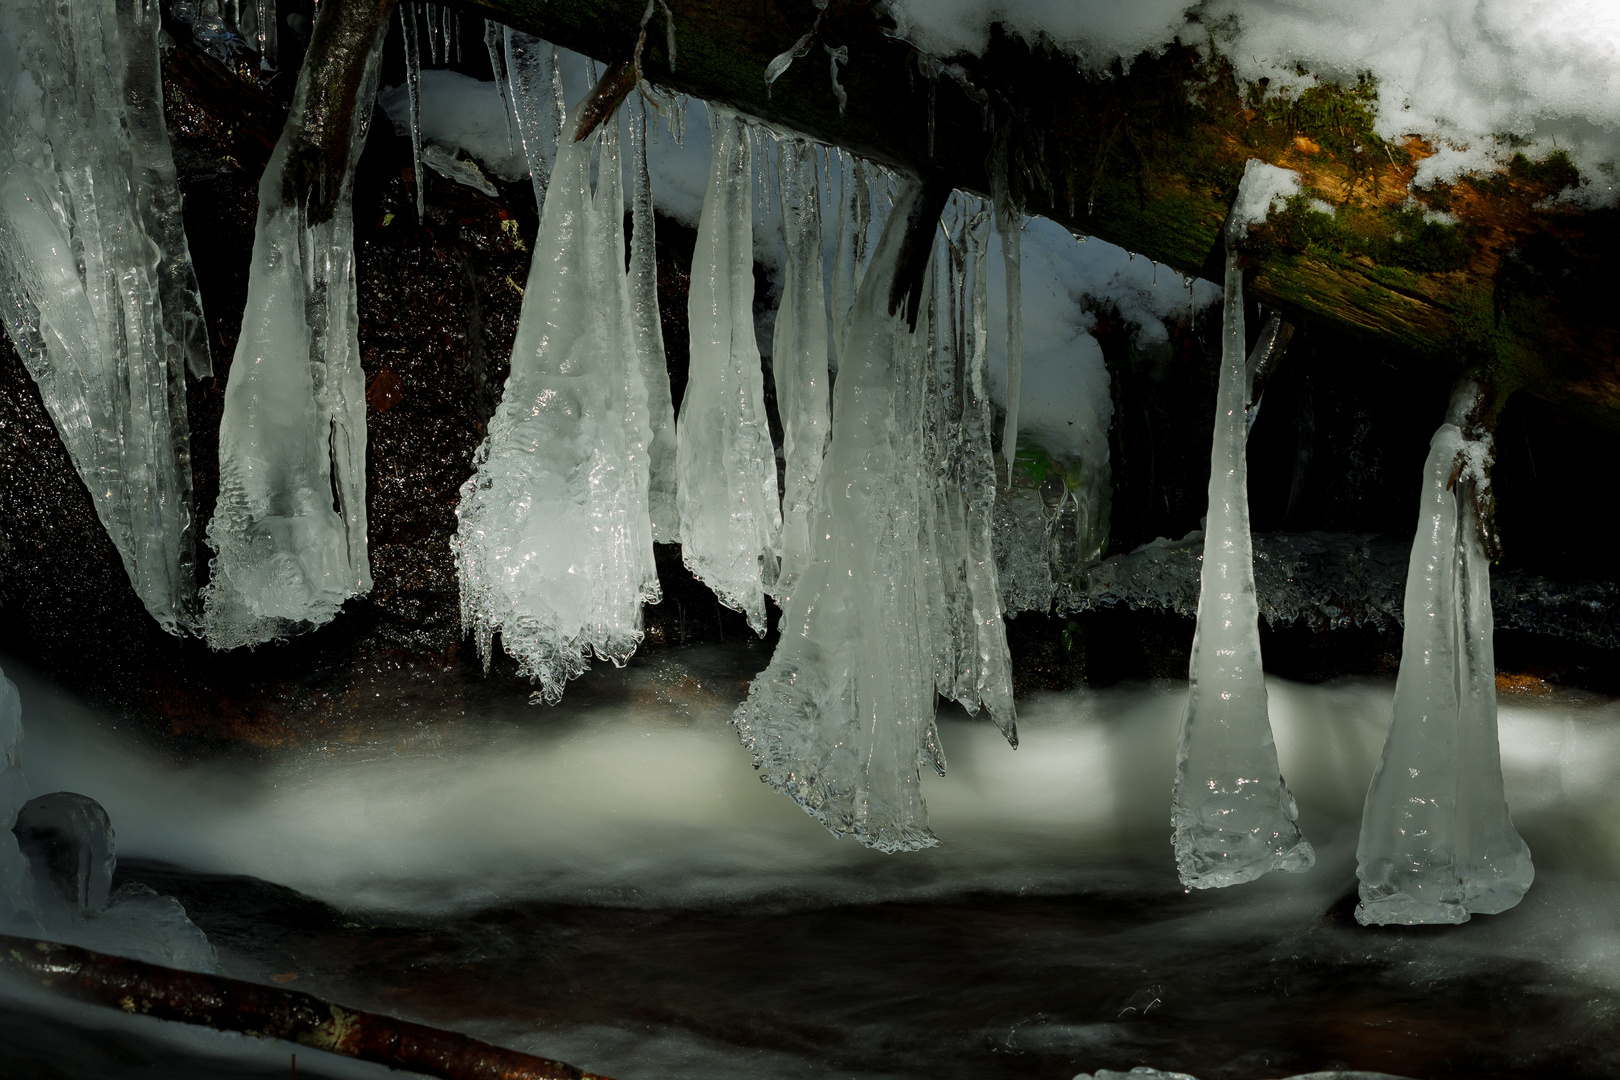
x=647 y=799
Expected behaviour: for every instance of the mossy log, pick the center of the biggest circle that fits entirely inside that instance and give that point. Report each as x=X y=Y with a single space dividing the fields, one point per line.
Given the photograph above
x=1499 y=275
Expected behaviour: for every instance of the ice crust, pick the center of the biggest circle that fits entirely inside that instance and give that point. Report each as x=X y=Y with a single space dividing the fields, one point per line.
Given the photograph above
x=727 y=500
x=898 y=598
x=96 y=289
x=1437 y=844
x=1232 y=814
x=799 y=356
x=649 y=337
x=554 y=546
x=289 y=530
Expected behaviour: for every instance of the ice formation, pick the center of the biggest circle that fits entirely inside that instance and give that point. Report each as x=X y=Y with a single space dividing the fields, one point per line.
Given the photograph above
x=413 y=98
x=554 y=546
x=649 y=337
x=534 y=95
x=95 y=299
x=727 y=501
x=289 y=530
x=1233 y=816
x=799 y=357
x=842 y=720
x=1010 y=226
x=1437 y=844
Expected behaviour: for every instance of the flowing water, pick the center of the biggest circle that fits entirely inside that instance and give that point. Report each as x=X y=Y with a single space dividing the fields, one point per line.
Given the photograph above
x=607 y=882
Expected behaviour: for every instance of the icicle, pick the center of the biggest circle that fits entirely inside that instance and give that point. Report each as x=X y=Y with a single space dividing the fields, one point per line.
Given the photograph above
x=267 y=43
x=989 y=676
x=157 y=189
x=452 y=39
x=1010 y=225
x=554 y=549
x=1437 y=843
x=429 y=14
x=534 y=89
x=413 y=91
x=649 y=337
x=799 y=362
x=836 y=57
x=495 y=44
x=1233 y=816
x=83 y=177
x=727 y=497
x=843 y=717
x=853 y=222
x=289 y=530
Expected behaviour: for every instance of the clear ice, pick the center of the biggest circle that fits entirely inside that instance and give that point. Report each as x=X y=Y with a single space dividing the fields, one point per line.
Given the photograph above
x=842 y=720
x=1437 y=844
x=661 y=485
x=799 y=356
x=1232 y=814
x=289 y=530
x=1010 y=226
x=88 y=211
x=554 y=546
x=534 y=96
x=726 y=498
x=412 y=48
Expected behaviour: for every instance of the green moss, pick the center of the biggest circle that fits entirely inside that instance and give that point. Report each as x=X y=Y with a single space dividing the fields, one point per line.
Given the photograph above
x=1338 y=118
x=1404 y=238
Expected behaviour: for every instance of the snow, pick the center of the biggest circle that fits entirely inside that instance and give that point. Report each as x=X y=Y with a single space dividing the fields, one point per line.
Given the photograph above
x=1263 y=189
x=1233 y=816
x=1437 y=844
x=289 y=529
x=554 y=544
x=1460 y=74
x=88 y=204
x=726 y=495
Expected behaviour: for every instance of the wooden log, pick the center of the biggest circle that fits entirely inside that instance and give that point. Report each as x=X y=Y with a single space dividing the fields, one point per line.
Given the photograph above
x=269 y=1012
x=1500 y=275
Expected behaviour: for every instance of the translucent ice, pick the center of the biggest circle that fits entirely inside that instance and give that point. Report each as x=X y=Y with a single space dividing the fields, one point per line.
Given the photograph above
x=650 y=337
x=83 y=175
x=289 y=530
x=799 y=360
x=1233 y=816
x=727 y=498
x=534 y=94
x=843 y=718
x=413 y=96
x=1010 y=226
x=1437 y=844
x=554 y=548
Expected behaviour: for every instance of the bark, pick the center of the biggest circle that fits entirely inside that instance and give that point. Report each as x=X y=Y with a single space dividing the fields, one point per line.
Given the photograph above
x=269 y=1012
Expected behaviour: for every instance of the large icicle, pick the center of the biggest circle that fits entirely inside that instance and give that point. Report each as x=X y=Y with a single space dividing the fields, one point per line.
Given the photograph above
x=1010 y=226
x=1233 y=816
x=1437 y=844
x=666 y=522
x=157 y=186
x=854 y=219
x=799 y=362
x=983 y=664
x=843 y=717
x=534 y=94
x=554 y=549
x=289 y=530
x=81 y=281
x=725 y=463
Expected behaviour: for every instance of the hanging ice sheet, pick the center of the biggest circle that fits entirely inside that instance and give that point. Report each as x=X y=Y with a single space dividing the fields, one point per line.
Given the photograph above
x=1232 y=814
x=554 y=547
x=661 y=484
x=799 y=360
x=1437 y=844
x=289 y=530
x=104 y=326
x=727 y=500
x=843 y=718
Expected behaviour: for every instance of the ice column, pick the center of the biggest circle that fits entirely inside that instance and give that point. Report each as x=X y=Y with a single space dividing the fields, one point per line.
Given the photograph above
x=1233 y=816
x=650 y=337
x=1437 y=844
x=799 y=363
x=289 y=530
x=534 y=95
x=554 y=548
x=843 y=717
x=1010 y=226
x=157 y=186
x=82 y=178
x=854 y=219
x=730 y=518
